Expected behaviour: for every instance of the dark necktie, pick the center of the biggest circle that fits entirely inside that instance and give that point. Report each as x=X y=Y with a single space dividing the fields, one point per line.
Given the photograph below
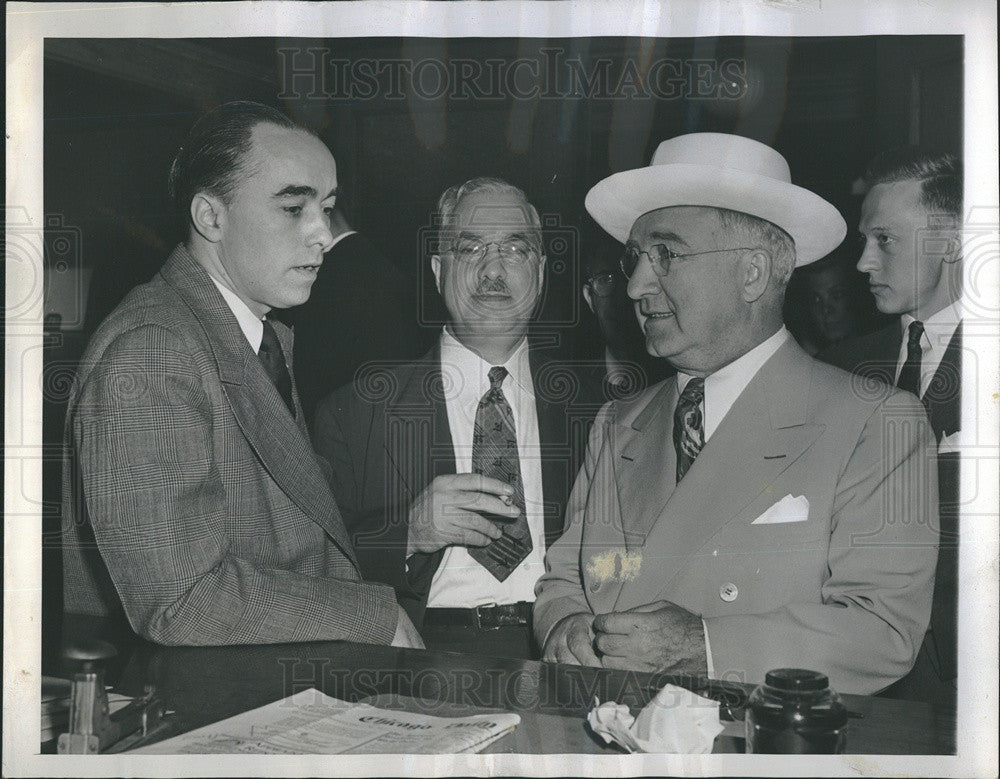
x=689 y=425
x=494 y=453
x=909 y=375
x=273 y=359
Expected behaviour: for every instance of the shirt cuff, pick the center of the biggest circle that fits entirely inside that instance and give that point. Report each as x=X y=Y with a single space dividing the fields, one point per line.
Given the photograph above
x=708 y=651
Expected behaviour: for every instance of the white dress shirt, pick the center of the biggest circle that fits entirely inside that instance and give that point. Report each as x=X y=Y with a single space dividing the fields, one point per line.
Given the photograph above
x=251 y=324
x=938 y=331
x=460 y=581
x=722 y=388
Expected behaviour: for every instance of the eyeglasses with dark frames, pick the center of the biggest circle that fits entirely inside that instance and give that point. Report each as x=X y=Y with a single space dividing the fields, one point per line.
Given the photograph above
x=660 y=257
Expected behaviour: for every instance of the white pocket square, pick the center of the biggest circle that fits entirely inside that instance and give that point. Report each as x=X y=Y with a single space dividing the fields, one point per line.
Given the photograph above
x=788 y=509
x=951 y=443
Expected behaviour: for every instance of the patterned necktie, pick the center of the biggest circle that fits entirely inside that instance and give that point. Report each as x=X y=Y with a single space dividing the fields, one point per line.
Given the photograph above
x=689 y=425
x=494 y=453
x=909 y=376
x=273 y=359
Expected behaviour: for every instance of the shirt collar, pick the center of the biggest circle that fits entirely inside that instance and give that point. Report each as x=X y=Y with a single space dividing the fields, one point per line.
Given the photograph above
x=938 y=327
x=251 y=324
x=463 y=367
x=723 y=387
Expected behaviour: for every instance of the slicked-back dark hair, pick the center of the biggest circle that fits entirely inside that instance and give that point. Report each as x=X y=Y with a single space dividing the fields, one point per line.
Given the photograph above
x=940 y=175
x=214 y=155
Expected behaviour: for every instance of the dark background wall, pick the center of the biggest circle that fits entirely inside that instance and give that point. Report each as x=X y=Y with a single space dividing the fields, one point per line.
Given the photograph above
x=116 y=111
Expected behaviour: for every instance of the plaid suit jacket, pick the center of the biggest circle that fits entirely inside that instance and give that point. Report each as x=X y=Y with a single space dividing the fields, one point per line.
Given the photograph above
x=192 y=500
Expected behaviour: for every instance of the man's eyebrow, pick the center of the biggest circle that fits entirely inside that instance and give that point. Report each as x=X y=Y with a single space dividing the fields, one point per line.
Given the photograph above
x=299 y=190
x=527 y=237
x=667 y=236
x=296 y=190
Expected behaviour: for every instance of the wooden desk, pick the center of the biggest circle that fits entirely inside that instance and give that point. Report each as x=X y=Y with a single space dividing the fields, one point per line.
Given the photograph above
x=204 y=685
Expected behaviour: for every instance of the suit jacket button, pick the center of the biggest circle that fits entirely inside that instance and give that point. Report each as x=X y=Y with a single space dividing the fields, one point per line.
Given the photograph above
x=595 y=586
x=729 y=592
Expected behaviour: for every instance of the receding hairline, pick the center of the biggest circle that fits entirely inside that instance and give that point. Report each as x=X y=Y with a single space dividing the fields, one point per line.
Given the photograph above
x=249 y=164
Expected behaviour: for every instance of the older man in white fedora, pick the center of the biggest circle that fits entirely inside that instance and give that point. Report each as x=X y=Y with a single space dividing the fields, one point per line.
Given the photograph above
x=759 y=510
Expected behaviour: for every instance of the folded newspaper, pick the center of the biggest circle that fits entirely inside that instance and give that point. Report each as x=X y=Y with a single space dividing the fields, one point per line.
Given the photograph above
x=311 y=723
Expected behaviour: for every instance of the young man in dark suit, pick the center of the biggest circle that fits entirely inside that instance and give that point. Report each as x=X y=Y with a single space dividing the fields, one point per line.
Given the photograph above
x=910 y=223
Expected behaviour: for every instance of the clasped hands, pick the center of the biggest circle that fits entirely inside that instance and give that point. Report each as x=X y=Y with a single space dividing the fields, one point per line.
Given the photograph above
x=659 y=637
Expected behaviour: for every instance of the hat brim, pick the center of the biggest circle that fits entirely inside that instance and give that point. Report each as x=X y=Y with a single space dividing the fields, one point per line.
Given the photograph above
x=815 y=225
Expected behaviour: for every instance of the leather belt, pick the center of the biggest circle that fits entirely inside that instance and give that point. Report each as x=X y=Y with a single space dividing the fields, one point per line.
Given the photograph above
x=482 y=617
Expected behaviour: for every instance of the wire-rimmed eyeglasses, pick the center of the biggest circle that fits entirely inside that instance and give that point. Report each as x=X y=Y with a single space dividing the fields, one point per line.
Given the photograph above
x=513 y=250
x=660 y=257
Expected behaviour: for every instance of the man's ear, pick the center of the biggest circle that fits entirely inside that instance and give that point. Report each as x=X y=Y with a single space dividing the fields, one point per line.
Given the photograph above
x=587 y=296
x=541 y=271
x=208 y=215
x=436 y=269
x=953 y=247
x=758 y=268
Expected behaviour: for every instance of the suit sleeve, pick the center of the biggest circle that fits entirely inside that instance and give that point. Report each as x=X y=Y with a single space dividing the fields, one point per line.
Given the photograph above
x=147 y=454
x=876 y=598
x=559 y=591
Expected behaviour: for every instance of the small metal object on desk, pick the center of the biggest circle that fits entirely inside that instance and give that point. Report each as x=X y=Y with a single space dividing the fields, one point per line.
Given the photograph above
x=92 y=728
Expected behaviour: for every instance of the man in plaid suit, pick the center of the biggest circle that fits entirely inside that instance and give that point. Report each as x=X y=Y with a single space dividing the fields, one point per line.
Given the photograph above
x=193 y=499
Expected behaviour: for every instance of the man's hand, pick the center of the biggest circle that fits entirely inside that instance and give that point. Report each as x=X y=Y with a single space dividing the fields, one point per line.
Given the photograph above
x=660 y=636
x=448 y=512
x=406 y=636
x=572 y=641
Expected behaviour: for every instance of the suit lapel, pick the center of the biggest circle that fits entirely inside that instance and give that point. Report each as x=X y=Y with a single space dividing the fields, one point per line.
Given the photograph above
x=943 y=398
x=645 y=456
x=765 y=431
x=879 y=355
x=424 y=450
x=279 y=441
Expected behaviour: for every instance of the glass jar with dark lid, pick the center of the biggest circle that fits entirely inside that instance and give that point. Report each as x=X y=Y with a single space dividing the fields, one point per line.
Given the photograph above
x=795 y=712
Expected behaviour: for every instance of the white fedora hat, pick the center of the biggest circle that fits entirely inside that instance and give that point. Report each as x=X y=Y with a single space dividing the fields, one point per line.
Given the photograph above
x=719 y=171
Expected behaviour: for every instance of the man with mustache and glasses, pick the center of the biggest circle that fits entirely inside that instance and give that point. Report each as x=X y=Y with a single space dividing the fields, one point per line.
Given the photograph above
x=758 y=510
x=193 y=501
x=453 y=471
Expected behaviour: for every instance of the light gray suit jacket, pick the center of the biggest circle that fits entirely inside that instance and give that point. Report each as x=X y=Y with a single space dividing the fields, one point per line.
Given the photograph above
x=846 y=590
x=192 y=499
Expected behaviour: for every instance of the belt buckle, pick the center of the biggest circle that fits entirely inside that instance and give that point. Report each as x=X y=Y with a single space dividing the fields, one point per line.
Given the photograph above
x=479 y=617
x=494 y=616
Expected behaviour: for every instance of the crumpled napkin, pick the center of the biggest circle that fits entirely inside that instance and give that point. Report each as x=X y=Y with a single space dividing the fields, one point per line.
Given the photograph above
x=676 y=721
